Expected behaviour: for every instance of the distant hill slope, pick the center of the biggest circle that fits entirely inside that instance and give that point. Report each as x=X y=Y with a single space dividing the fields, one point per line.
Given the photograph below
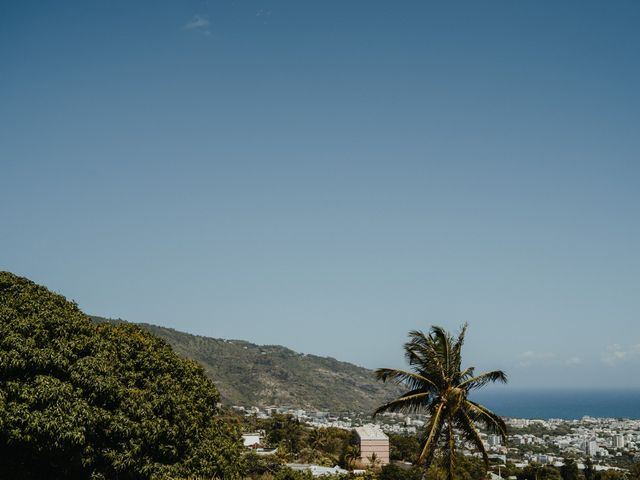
x=249 y=374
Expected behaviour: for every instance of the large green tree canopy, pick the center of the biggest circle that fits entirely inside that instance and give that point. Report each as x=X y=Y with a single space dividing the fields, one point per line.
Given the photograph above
x=81 y=400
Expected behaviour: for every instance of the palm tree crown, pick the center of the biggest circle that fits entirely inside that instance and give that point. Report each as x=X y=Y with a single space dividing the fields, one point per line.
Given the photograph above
x=440 y=387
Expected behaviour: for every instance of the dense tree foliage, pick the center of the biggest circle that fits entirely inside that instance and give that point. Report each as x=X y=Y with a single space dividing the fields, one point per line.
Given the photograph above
x=394 y=472
x=569 y=470
x=80 y=400
x=285 y=431
x=467 y=468
x=535 y=471
x=404 y=447
x=589 y=471
x=259 y=466
x=300 y=443
x=610 y=475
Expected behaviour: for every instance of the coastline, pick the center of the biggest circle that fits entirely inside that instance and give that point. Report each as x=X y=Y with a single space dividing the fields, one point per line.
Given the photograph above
x=566 y=404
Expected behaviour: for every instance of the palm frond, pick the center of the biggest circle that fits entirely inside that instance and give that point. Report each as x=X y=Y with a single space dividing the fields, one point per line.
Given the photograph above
x=412 y=401
x=442 y=341
x=410 y=379
x=464 y=375
x=492 y=422
x=483 y=379
x=423 y=353
x=457 y=348
x=433 y=434
x=470 y=433
x=417 y=348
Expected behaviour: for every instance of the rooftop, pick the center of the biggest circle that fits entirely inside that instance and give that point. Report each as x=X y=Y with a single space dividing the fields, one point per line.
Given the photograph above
x=370 y=432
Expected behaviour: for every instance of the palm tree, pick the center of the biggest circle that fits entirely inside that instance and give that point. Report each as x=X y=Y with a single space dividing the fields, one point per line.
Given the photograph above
x=351 y=454
x=439 y=386
x=374 y=461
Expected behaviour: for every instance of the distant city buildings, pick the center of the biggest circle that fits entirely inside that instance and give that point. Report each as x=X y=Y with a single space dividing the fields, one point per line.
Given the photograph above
x=608 y=441
x=618 y=441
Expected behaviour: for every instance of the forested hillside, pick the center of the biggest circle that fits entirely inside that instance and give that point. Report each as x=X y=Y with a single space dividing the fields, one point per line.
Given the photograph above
x=249 y=374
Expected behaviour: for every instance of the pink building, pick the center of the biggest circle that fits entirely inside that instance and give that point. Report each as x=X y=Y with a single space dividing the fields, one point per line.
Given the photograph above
x=373 y=444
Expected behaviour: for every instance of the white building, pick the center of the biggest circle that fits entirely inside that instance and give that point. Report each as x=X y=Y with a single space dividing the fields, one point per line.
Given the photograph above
x=317 y=470
x=591 y=447
x=618 y=441
x=251 y=440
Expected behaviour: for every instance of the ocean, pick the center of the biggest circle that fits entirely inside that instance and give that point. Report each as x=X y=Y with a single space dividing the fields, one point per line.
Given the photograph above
x=561 y=403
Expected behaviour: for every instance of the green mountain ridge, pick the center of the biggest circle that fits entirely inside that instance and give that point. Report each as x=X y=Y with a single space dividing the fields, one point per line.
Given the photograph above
x=262 y=375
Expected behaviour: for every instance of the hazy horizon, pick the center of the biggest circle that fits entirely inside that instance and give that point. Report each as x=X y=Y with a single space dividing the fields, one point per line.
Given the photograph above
x=329 y=176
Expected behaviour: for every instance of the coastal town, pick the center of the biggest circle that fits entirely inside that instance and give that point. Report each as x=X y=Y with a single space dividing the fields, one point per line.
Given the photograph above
x=609 y=443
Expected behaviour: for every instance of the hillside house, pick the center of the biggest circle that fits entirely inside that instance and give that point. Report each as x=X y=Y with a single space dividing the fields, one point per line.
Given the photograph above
x=374 y=445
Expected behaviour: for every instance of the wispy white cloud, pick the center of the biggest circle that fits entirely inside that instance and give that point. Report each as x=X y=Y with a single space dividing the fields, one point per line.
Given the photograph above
x=616 y=354
x=574 y=361
x=199 y=23
x=530 y=357
x=263 y=15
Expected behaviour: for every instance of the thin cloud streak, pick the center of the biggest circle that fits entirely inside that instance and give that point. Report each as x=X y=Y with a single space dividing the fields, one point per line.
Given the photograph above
x=199 y=23
x=573 y=361
x=528 y=358
x=616 y=354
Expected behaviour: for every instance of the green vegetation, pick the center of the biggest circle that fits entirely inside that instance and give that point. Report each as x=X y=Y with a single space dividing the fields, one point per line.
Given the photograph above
x=80 y=400
x=253 y=375
x=299 y=443
x=404 y=448
x=535 y=471
x=438 y=385
x=395 y=472
x=103 y=400
x=333 y=446
x=466 y=468
x=569 y=471
x=589 y=470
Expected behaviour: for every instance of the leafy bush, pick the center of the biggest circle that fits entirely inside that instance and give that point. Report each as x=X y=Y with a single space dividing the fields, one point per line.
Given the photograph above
x=79 y=400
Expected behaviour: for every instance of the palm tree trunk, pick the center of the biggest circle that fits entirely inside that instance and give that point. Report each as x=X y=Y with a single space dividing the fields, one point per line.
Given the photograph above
x=451 y=449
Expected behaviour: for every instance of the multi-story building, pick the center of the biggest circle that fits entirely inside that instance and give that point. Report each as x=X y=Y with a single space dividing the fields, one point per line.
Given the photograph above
x=591 y=447
x=618 y=441
x=374 y=445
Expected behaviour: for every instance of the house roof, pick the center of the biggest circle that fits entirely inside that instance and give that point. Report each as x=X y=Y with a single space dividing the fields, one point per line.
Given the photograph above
x=370 y=432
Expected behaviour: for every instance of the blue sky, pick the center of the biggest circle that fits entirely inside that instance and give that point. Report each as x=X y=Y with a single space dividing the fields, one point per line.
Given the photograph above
x=330 y=175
